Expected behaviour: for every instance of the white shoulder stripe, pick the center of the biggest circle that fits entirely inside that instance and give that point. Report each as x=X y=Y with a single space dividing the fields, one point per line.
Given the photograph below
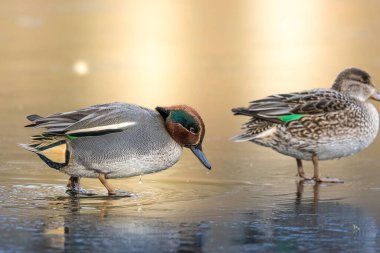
x=103 y=128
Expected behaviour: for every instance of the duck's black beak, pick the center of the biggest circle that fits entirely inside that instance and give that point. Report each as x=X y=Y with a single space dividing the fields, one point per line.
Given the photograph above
x=197 y=150
x=376 y=96
x=164 y=112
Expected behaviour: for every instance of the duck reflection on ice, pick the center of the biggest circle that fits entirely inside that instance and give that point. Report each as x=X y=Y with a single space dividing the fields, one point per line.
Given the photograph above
x=305 y=222
x=309 y=224
x=105 y=230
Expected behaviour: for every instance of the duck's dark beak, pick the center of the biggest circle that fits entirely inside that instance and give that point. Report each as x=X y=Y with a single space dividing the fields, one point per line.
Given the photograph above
x=376 y=96
x=197 y=150
x=164 y=112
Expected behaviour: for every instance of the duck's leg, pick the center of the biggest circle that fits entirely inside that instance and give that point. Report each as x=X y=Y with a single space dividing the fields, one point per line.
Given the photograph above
x=73 y=186
x=301 y=172
x=110 y=189
x=317 y=177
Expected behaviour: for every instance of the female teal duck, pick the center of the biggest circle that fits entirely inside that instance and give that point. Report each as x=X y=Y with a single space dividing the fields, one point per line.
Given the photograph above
x=116 y=140
x=319 y=124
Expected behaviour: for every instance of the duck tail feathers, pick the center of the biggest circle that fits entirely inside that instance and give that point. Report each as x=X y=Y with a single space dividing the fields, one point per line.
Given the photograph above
x=29 y=147
x=33 y=117
x=55 y=154
x=242 y=138
x=242 y=111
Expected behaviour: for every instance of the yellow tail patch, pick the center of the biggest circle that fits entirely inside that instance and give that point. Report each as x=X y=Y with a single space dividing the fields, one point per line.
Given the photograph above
x=56 y=154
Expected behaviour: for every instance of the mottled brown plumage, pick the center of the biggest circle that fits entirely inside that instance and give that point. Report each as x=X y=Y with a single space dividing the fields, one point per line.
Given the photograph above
x=319 y=124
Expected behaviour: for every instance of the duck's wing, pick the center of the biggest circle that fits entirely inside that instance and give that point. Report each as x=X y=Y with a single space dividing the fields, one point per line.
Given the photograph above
x=90 y=121
x=283 y=108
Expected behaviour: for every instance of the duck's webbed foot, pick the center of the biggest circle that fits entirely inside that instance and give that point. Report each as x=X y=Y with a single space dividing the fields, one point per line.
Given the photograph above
x=111 y=190
x=304 y=177
x=317 y=177
x=73 y=187
x=301 y=172
x=328 y=180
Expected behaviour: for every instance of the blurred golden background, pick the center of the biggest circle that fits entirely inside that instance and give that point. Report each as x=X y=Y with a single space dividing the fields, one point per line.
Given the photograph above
x=214 y=55
x=211 y=54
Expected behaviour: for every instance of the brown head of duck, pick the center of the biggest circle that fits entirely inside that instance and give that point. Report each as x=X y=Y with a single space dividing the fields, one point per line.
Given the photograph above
x=186 y=127
x=356 y=83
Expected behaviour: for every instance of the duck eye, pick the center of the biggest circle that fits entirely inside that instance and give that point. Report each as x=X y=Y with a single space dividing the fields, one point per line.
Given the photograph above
x=193 y=130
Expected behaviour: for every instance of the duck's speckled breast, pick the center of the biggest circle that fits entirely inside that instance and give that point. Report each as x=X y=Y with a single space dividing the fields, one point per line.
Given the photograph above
x=143 y=148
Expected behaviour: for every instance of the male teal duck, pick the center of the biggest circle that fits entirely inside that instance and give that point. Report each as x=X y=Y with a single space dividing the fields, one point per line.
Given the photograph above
x=116 y=140
x=318 y=124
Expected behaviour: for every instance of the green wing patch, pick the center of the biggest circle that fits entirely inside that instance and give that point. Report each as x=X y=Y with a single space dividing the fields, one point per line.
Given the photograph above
x=71 y=137
x=291 y=117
